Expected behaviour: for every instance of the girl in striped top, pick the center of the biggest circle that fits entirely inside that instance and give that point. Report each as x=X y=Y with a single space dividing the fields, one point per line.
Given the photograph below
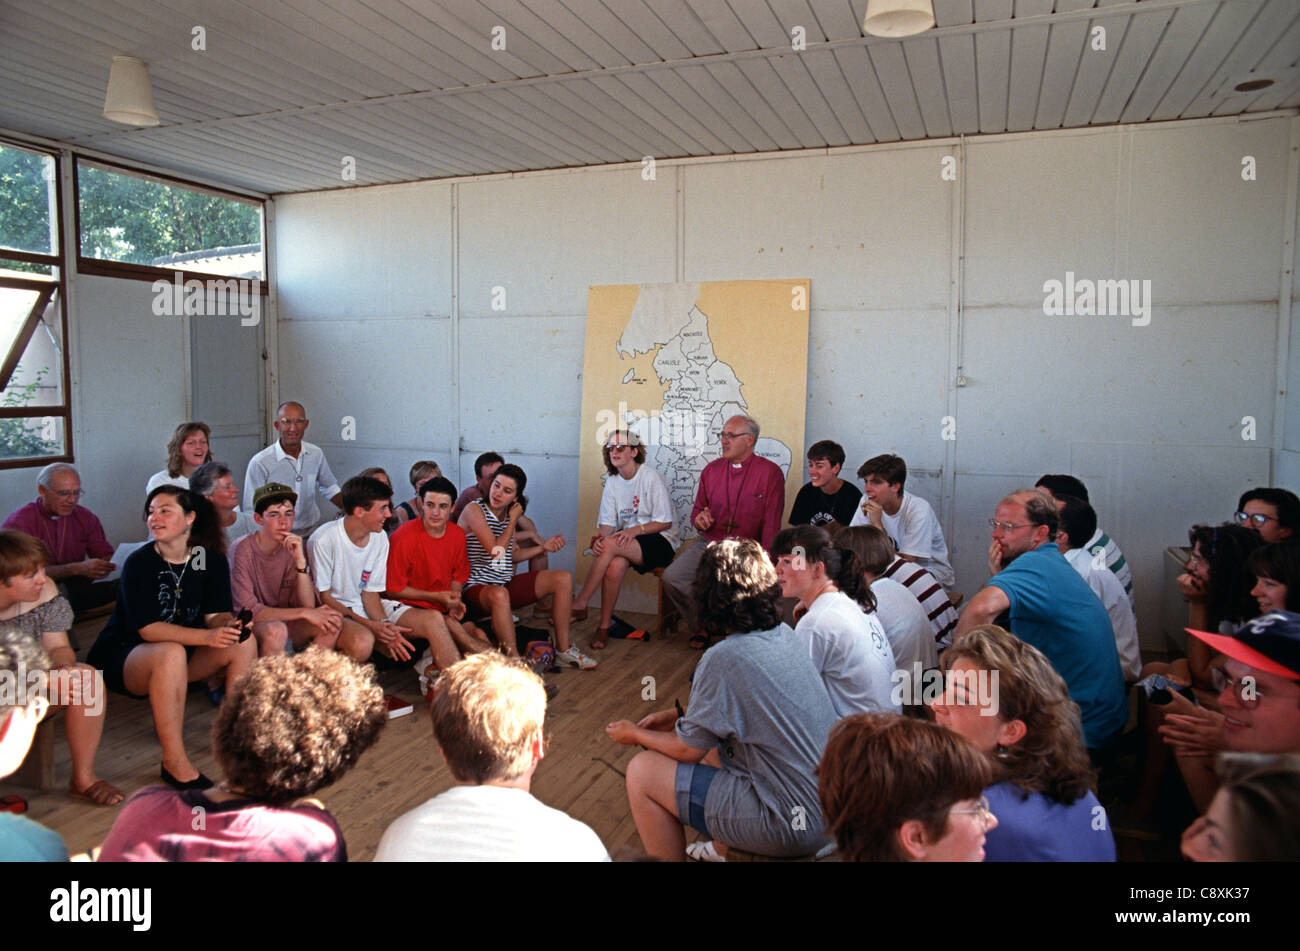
x=494 y=589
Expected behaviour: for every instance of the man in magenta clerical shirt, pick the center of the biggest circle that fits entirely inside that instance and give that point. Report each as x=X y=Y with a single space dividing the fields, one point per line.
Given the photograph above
x=74 y=537
x=741 y=495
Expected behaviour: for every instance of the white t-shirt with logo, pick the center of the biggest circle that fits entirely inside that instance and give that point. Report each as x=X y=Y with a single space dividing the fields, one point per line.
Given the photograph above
x=638 y=500
x=343 y=569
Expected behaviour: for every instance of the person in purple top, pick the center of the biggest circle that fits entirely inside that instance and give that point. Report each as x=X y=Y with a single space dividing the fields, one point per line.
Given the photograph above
x=741 y=495
x=291 y=726
x=74 y=537
x=1004 y=696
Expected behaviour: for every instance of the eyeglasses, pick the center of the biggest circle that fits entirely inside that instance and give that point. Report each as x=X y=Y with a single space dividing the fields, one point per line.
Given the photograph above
x=981 y=809
x=729 y=436
x=294 y=422
x=1007 y=527
x=1196 y=559
x=618 y=445
x=1257 y=520
x=68 y=493
x=1246 y=690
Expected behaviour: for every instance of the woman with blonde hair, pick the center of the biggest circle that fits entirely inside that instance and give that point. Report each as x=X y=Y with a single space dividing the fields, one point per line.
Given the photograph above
x=186 y=451
x=1005 y=697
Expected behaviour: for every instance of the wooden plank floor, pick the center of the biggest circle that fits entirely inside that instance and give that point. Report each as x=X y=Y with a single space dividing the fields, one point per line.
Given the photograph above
x=580 y=774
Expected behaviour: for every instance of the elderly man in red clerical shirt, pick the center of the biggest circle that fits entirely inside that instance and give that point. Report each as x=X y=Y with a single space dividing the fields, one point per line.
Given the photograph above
x=74 y=537
x=741 y=495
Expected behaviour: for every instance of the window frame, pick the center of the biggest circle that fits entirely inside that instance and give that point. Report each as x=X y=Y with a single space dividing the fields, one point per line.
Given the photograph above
x=58 y=284
x=101 y=267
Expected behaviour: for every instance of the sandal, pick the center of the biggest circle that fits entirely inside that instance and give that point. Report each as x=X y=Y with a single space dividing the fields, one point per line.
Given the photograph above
x=600 y=638
x=704 y=852
x=698 y=642
x=99 y=793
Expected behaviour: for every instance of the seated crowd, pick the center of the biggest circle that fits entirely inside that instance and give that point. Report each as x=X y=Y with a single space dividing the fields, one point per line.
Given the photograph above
x=813 y=726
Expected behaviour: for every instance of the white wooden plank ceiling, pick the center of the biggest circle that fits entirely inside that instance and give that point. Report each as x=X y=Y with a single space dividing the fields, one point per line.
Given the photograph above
x=286 y=90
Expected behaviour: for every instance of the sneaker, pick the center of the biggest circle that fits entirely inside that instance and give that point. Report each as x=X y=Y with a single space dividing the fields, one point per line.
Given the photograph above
x=575 y=657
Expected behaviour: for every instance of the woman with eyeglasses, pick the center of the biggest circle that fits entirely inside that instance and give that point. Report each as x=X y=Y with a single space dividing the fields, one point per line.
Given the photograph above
x=1274 y=513
x=186 y=451
x=1217 y=586
x=898 y=789
x=1004 y=696
x=637 y=528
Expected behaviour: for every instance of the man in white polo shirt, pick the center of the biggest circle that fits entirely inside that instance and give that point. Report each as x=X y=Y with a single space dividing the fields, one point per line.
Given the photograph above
x=300 y=465
x=907 y=519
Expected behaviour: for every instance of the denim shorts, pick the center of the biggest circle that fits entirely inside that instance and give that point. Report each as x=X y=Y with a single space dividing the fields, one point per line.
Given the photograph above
x=692 y=786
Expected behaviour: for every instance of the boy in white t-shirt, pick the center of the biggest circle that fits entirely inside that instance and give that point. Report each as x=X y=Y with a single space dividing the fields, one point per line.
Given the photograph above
x=907 y=519
x=349 y=560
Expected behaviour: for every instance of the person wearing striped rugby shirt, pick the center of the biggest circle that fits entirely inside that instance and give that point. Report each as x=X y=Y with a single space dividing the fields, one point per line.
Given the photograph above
x=1059 y=486
x=881 y=561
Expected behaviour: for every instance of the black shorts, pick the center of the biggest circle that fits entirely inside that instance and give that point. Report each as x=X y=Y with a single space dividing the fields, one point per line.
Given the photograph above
x=655 y=552
x=110 y=657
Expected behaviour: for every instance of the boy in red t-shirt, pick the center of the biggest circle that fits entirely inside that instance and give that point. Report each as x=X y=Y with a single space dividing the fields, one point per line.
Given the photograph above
x=428 y=564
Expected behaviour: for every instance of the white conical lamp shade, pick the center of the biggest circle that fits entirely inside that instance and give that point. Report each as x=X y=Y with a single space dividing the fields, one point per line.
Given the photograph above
x=130 y=97
x=898 y=17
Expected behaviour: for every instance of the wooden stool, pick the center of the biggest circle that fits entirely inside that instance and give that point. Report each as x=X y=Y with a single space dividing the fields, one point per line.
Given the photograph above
x=668 y=612
x=37 y=770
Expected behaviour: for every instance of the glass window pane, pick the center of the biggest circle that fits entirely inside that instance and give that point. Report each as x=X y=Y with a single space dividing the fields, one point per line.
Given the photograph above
x=38 y=378
x=141 y=221
x=24 y=269
x=34 y=437
x=28 y=208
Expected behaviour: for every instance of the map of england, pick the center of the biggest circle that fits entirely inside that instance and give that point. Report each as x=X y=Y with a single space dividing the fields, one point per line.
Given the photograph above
x=702 y=394
x=672 y=363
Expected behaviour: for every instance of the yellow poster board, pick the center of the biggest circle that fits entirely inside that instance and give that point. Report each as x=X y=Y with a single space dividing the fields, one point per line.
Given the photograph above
x=672 y=363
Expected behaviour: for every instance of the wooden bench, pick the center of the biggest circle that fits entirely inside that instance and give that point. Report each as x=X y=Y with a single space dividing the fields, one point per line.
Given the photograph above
x=668 y=613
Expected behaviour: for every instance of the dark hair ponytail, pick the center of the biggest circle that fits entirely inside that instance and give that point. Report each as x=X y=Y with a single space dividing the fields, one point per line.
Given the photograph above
x=841 y=564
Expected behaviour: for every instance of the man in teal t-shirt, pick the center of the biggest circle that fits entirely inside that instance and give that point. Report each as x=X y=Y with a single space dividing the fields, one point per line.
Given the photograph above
x=1051 y=607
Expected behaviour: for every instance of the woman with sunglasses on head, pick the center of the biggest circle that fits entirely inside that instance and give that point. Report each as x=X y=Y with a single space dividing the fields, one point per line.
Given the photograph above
x=637 y=527
x=1004 y=696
